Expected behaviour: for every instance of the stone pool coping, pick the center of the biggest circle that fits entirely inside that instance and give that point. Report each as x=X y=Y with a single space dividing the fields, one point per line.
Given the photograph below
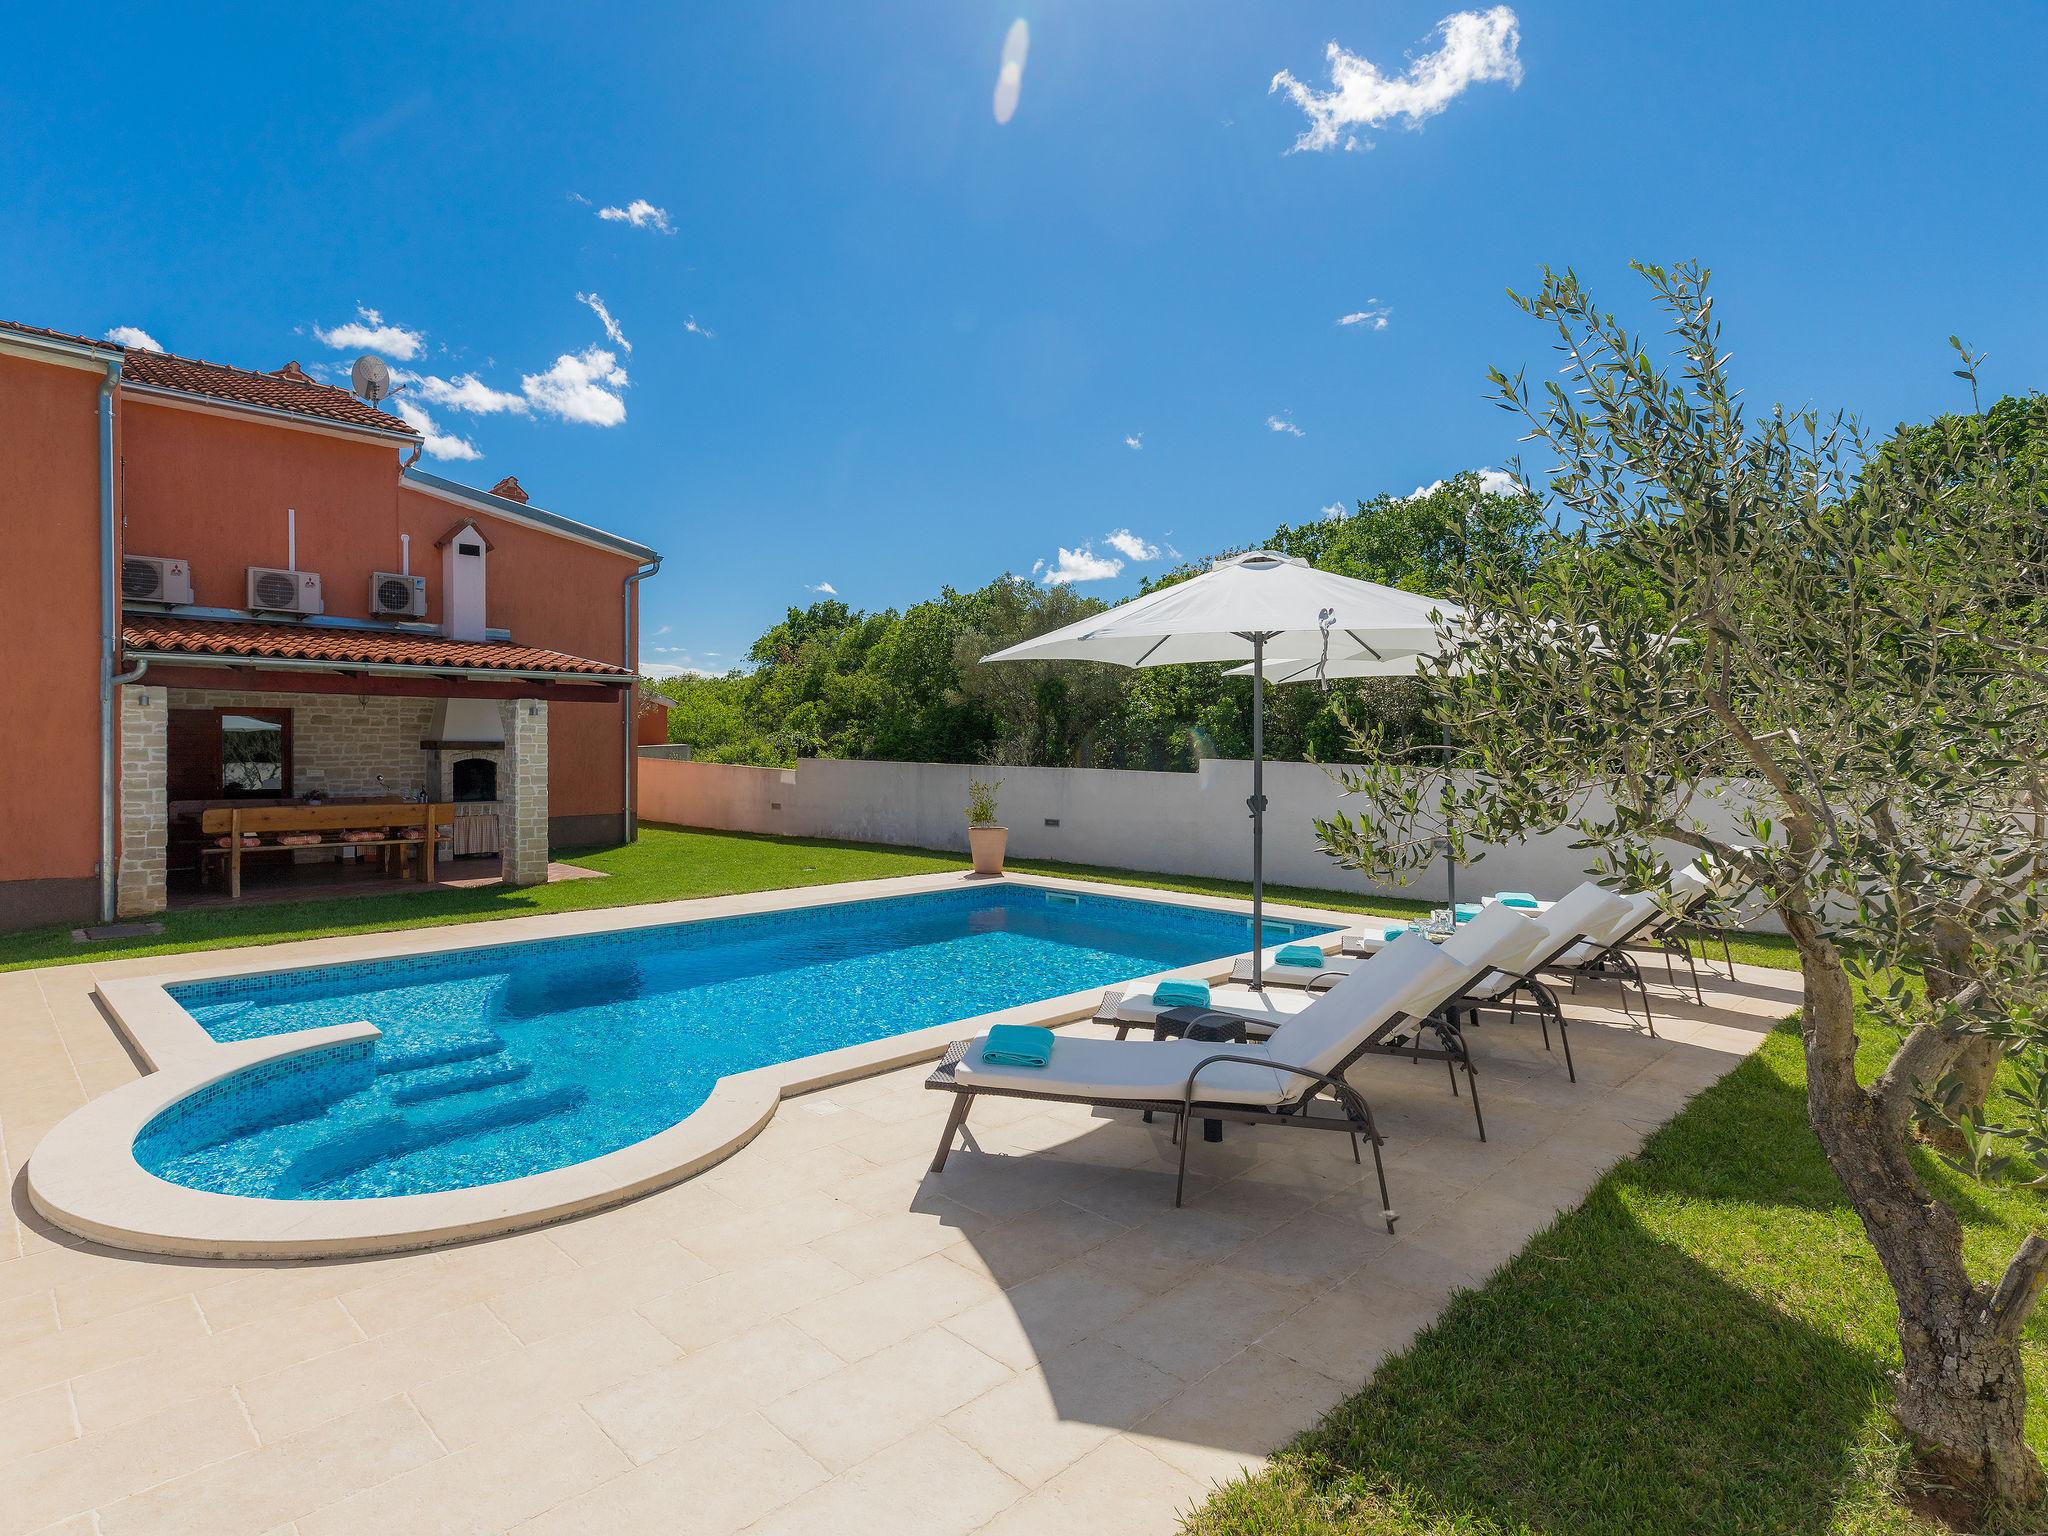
x=84 y=1177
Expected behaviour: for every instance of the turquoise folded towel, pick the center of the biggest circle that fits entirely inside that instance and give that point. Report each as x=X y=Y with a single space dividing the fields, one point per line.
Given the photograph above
x=1467 y=910
x=1516 y=899
x=1181 y=994
x=1017 y=1045
x=1397 y=930
x=1299 y=954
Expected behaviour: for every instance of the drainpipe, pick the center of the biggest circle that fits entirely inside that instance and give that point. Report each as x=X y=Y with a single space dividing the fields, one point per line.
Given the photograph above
x=630 y=819
x=110 y=638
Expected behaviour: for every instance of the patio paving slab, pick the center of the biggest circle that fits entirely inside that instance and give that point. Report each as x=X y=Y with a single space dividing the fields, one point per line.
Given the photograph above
x=817 y=1334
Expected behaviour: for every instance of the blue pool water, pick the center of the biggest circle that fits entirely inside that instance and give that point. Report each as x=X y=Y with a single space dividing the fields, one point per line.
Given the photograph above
x=501 y=1062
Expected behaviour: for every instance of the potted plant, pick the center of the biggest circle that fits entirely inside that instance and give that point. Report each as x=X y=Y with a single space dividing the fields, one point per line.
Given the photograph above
x=985 y=839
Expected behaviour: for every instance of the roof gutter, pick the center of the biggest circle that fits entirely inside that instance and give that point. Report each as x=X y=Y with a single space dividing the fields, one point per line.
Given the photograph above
x=523 y=512
x=110 y=638
x=629 y=816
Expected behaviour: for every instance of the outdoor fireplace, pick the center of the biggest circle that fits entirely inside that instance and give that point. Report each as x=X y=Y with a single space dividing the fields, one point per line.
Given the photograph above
x=473 y=779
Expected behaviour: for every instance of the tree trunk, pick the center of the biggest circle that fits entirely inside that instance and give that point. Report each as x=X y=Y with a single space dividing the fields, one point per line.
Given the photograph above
x=1976 y=1063
x=1961 y=1394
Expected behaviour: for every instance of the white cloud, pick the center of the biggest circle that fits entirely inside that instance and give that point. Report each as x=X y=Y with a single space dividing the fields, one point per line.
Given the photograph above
x=439 y=444
x=1010 y=71
x=1081 y=564
x=1335 y=510
x=664 y=669
x=1492 y=482
x=1476 y=46
x=695 y=329
x=464 y=392
x=639 y=213
x=824 y=589
x=1373 y=317
x=581 y=386
x=1135 y=441
x=134 y=336
x=1284 y=424
x=611 y=326
x=1131 y=547
x=663 y=630
x=368 y=332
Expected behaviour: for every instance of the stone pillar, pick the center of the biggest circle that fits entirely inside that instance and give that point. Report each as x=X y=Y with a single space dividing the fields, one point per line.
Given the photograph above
x=144 y=815
x=523 y=792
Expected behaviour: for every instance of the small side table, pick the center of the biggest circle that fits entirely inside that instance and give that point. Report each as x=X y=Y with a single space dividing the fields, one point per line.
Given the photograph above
x=1200 y=1024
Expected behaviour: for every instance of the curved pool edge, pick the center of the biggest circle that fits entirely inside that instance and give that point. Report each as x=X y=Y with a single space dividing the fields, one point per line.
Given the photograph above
x=84 y=1178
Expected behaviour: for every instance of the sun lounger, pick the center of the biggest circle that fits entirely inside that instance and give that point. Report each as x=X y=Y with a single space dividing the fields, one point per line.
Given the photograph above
x=1559 y=929
x=1280 y=1080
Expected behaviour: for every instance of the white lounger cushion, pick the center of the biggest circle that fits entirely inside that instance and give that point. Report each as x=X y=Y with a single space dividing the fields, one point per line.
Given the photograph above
x=1409 y=976
x=1136 y=1069
x=1299 y=975
x=1585 y=909
x=1140 y=1007
x=1500 y=937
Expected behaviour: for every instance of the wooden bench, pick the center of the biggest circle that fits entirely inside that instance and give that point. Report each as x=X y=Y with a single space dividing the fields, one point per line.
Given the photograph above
x=237 y=822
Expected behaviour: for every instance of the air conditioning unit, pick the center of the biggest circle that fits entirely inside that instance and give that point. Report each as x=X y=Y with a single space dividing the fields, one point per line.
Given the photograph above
x=276 y=591
x=397 y=596
x=153 y=579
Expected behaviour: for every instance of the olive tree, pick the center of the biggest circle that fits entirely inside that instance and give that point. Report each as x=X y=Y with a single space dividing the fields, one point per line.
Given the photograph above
x=1745 y=619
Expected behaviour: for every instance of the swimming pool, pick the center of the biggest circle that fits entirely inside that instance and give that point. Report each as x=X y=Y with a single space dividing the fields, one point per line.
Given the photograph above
x=502 y=1062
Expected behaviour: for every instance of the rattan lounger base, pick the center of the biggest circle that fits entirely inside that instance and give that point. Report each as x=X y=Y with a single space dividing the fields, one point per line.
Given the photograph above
x=1355 y=1120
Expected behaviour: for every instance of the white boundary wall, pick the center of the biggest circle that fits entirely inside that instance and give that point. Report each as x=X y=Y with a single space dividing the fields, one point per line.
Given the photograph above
x=1170 y=823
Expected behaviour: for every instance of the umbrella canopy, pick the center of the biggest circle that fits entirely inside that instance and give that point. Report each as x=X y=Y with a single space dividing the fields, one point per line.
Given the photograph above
x=1288 y=603
x=1337 y=668
x=1233 y=612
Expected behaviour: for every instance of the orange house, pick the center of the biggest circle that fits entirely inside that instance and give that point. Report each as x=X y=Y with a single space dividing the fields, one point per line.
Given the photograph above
x=225 y=587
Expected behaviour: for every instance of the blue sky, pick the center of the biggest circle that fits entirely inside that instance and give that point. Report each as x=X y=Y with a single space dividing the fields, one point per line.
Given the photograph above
x=925 y=339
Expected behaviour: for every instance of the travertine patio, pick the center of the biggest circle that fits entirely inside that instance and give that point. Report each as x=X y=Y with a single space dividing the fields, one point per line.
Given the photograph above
x=816 y=1335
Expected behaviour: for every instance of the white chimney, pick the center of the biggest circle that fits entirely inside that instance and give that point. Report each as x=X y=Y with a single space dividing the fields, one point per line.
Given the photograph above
x=464 y=554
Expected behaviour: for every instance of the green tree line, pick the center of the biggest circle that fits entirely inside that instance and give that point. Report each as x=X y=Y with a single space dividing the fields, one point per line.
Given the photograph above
x=832 y=681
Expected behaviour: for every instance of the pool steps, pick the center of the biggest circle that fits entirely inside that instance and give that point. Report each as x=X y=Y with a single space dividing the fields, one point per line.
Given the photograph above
x=393 y=1135
x=436 y=1050
x=457 y=1077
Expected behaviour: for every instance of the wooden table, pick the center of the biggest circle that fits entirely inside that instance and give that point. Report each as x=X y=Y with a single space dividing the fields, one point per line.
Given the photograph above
x=329 y=821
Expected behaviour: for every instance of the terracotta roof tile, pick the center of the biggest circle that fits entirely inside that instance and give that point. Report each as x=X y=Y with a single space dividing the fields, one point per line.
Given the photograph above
x=217 y=381
x=299 y=642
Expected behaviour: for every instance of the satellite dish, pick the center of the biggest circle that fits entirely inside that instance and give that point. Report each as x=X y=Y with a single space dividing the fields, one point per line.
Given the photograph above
x=369 y=378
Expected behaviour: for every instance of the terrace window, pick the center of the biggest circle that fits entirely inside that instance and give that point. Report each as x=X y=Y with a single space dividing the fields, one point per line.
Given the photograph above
x=230 y=753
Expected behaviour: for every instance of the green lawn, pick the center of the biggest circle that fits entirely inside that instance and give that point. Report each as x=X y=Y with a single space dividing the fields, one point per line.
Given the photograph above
x=666 y=864
x=1700 y=1347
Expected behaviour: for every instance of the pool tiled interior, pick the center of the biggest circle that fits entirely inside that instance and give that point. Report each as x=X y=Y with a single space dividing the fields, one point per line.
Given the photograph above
x=816 y=1334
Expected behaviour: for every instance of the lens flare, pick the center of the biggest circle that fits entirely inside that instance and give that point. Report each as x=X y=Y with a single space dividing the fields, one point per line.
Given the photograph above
x=1010 y=78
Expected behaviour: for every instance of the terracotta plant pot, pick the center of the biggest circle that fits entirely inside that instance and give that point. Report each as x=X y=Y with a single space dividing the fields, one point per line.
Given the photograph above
x=987 y=844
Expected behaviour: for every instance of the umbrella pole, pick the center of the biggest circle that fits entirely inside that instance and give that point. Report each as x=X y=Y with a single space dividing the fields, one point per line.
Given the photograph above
x=1258 y=807
x=1450 y=864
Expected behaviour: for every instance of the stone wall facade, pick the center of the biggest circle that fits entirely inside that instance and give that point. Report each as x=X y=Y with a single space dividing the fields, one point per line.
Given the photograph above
x=523 y=792
x=145 y=820
x=349 y=746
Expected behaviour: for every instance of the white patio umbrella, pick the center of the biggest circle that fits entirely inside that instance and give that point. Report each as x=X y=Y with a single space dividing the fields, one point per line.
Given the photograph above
x=1235 y=611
